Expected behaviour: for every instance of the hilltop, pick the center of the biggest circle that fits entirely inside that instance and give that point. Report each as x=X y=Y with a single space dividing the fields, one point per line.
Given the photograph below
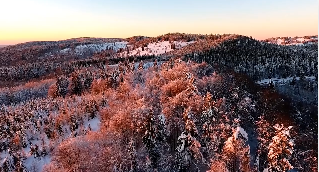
x=298 y=40
x=233 y=51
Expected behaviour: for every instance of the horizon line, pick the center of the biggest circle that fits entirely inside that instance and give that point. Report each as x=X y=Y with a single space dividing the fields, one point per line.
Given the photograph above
x=147 y=36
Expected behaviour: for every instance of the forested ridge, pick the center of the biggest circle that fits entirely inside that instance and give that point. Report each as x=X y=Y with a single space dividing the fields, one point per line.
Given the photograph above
x=189 y=103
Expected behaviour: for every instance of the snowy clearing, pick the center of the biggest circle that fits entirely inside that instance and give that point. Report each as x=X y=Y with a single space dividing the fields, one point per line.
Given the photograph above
x=156 y=48
x=282 y=80
x=95 y=48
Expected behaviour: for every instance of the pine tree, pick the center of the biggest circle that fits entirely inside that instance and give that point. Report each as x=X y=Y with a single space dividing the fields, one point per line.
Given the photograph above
x=236 y=153
x=280 y=149
x=188 y=150
x=141 y=65
x=133 y=156
x=88 y=81
x=52 y=91
x=62 y=86
x=155 y=65
x=173 y=46
x=76 y=84
x=153 y=138
x=265 y=134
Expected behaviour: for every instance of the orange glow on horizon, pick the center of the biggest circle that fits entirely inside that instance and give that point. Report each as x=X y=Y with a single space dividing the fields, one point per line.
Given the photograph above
x=22 y=38
x=34 y=20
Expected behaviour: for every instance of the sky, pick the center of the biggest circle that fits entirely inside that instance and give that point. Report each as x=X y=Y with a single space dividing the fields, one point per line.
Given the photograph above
x=50 y=20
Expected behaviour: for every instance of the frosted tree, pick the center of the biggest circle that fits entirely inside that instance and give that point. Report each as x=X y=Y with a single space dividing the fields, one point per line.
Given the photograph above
x=236 y=151
x=7 y=164
x=213 y=133
x=52 y=91
x=154 y=138
x=141 y=65
x=88 y=81
x=280 y=149
x=188 y=154
x=76 y=84
x=155 y=65
x=62 y=86
x=218 y=166
x=264 y=135
x=149 y=139
x=133 y=155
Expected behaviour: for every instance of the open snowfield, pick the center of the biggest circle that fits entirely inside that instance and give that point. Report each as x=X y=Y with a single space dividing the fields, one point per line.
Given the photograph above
x=156 y=48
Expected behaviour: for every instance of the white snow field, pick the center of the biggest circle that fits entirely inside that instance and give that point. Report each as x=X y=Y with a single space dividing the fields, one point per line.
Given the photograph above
x=155 y=48
x=282 y=81
x=95 y=48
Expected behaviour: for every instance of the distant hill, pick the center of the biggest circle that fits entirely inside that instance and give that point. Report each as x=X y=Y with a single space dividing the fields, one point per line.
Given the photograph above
x=298 y=40
x=259 y=59
x=1 y=46
x=43 y=51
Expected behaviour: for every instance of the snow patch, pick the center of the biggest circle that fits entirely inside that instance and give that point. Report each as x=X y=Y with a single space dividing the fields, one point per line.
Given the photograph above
x=242 y=132
x=282 y=80
x=162 y=118
x=94 y=124
x=36 y=164
x=280 y=41
x=155 y=48
x=95 y=48
x=299 y=41
x=182 y=137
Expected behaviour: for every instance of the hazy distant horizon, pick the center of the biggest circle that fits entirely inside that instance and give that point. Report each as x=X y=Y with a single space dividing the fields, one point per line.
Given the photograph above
x=37 y=20
x=4 y=45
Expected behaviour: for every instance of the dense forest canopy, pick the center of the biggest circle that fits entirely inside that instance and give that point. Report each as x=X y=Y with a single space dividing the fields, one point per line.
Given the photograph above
x=189 y=103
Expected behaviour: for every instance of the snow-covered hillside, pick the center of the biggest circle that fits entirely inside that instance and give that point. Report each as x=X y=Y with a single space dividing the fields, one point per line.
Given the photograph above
x=39 y=131
x=95 y=48
x=156 y=48
x=293 y=41
x=282 y=81
x=176 y=102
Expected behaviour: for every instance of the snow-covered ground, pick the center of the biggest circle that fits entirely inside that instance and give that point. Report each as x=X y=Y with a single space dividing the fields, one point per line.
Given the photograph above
x=95 y=48
x=146 y=65
x=293 y=41
x=241 y=131
x=94 y=124
x=37 y=151
x=156 y=48
x=280 y=41
x=282 y=81
x=36 y=164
